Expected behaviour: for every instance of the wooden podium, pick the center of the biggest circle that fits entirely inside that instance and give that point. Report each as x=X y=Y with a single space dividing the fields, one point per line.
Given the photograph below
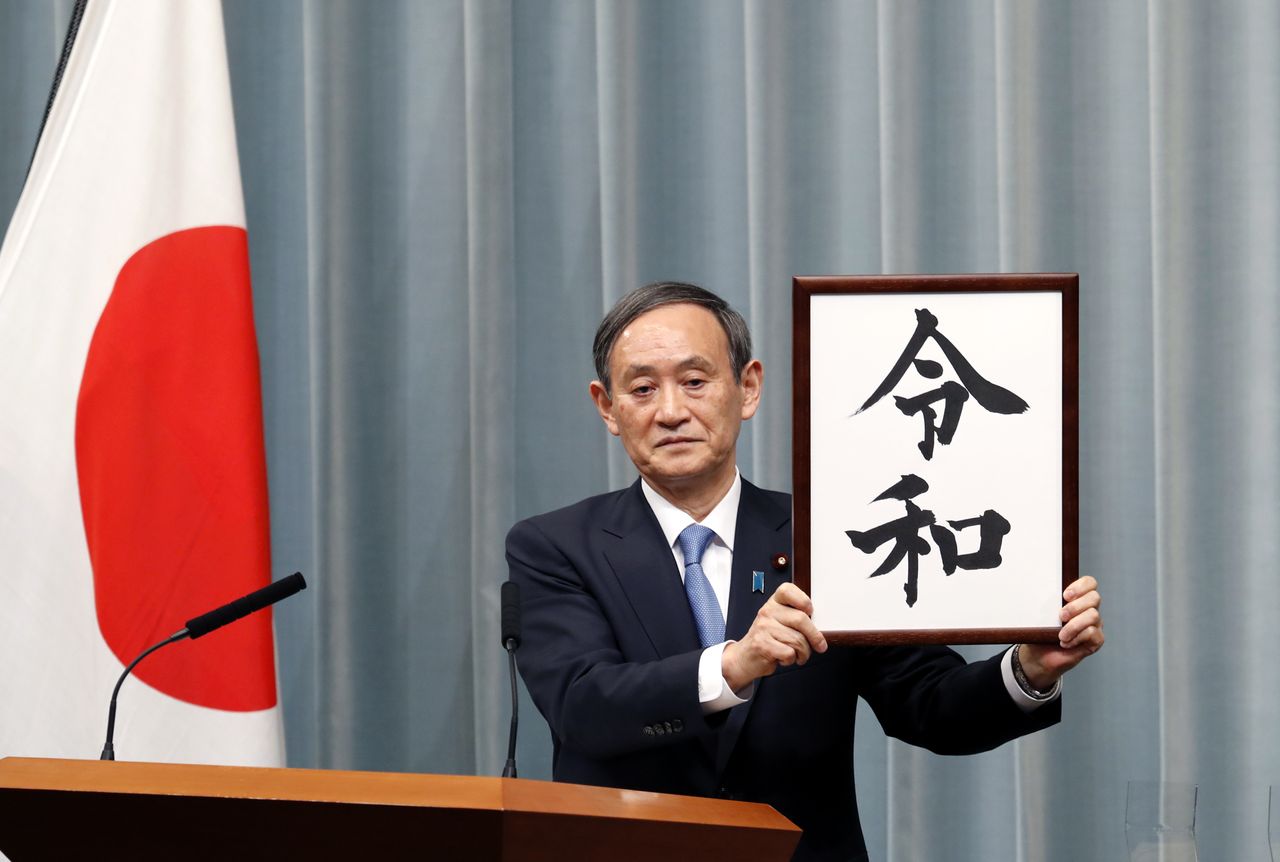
x=90 y=809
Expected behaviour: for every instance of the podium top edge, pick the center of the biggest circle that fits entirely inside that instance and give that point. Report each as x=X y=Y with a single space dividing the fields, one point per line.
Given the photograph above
x=378 y=788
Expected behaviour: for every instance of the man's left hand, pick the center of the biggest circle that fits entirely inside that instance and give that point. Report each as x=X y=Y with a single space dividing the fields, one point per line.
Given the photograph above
x=1081 y=636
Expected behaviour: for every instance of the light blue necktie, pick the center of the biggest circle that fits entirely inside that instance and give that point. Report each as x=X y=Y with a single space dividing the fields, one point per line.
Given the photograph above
x=702 y=599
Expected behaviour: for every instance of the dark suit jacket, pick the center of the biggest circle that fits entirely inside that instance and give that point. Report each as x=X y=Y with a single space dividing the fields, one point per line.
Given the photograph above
x=610 y=655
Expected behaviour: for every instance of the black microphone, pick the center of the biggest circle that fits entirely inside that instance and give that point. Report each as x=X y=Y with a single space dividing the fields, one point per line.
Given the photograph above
x=242 y=607
x=200 y=626
x=511 y=640
x=511 y=615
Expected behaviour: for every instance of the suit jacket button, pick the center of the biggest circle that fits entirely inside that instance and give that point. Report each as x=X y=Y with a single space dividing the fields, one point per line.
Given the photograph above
x=648 y=730
x=677 y=725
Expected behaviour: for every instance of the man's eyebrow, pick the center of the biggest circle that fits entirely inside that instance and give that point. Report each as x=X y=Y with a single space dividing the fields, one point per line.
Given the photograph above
x=701 y=363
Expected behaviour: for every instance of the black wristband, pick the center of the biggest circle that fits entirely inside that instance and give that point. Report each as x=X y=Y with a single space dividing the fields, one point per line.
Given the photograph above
x=1025 y=684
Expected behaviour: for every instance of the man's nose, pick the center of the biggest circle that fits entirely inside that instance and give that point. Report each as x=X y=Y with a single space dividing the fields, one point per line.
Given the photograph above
x=672 y=409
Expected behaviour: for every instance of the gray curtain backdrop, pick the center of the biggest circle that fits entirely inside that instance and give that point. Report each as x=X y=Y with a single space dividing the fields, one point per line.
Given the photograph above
x=444 y=197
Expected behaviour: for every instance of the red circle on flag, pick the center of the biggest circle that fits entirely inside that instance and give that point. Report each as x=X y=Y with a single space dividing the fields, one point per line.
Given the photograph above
x=172 y=471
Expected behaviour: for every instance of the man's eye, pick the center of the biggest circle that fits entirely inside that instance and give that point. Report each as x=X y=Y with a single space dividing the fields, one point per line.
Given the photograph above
x=643 y=389
x=695 y=382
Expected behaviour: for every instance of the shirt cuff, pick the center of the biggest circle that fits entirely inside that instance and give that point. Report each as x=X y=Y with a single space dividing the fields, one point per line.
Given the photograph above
x=1025 y=701
x=713 y=692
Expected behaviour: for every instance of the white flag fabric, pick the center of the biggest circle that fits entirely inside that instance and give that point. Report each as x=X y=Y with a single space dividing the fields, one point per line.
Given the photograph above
x=132 y=473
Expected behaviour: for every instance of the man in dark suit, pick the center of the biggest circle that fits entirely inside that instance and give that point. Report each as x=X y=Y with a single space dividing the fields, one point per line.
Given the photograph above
x=658 y=663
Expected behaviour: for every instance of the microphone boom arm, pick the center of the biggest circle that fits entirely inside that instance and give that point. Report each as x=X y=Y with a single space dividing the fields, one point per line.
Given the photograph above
x=108 y=750
x=203 y=625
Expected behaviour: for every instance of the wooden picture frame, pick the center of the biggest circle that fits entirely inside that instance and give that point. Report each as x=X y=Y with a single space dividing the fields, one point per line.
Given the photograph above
x=935 y=429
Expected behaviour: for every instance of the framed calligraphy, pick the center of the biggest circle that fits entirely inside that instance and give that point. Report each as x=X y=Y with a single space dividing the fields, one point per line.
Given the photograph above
x=934 y=455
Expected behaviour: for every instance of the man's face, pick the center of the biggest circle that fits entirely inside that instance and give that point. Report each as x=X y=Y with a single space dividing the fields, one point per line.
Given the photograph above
x=675 y=402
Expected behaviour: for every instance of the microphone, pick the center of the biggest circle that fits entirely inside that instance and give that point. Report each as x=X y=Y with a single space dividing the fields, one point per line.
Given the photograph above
x=203 y=625
x=511 y=615
x=511 y=640
x=242 y=607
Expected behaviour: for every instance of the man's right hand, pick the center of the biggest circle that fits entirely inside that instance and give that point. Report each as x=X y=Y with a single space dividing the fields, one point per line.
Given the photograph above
x=783 y=634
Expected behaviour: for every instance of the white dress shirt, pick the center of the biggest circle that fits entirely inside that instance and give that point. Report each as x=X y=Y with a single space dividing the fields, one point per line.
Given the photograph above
x=717 y=562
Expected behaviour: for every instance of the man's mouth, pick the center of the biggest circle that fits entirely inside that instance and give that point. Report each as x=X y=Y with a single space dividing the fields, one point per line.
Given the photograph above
x=673 y=441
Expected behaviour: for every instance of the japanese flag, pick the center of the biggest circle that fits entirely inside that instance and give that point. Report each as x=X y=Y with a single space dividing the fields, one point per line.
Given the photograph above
x=132 y=476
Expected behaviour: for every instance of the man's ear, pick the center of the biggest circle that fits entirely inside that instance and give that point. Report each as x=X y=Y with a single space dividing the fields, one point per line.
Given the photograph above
x=751 y=383
x=604 y=405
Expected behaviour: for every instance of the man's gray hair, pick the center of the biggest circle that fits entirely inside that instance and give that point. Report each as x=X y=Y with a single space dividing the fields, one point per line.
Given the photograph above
x=651 y=296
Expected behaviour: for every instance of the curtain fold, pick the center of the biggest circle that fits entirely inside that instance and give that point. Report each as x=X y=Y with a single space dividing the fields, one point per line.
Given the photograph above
x=444 y=197
x=491 y=331
x=1215 y=87
x=31 y=40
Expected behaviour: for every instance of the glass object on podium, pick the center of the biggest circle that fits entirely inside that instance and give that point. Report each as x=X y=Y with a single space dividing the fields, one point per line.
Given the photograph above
x=1273 y=822
x=1160 y=821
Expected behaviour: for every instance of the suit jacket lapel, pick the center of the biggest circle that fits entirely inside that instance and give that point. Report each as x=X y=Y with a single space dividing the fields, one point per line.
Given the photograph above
x=763 y=531
x=646 y=569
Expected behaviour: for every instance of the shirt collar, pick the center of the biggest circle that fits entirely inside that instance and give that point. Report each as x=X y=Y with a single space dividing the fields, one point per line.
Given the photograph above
x=722 y=520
